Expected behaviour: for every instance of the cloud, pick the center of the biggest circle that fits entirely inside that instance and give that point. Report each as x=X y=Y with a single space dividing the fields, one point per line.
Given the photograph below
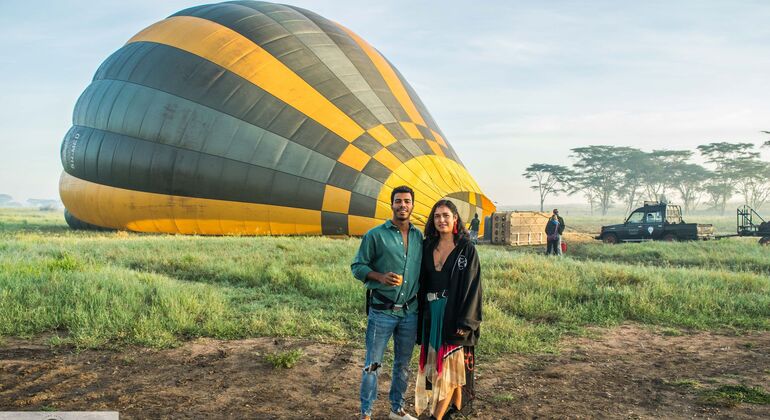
x=506 y=51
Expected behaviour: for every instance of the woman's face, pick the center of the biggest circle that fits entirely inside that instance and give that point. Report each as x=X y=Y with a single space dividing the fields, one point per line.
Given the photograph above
x=444 y=220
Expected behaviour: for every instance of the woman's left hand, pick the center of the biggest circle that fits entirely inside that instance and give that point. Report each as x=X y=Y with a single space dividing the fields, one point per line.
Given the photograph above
x=461 y=332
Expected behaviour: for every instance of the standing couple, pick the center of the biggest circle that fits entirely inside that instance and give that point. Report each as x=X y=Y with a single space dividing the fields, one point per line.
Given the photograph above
x=425 y=291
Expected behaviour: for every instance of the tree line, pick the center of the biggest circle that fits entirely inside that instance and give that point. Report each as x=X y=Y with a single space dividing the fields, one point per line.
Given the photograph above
x=42 y=204
x=610 y=175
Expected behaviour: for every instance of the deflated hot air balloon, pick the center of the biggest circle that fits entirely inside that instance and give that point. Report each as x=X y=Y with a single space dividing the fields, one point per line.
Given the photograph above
x=253 y=118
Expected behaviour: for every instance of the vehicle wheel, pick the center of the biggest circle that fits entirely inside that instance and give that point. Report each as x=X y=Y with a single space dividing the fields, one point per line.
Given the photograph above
x=669 y=237
x=610 y=238
x=765 y=241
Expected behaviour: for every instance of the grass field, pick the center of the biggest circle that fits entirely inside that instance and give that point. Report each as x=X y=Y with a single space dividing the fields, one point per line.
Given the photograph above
x=110 y=289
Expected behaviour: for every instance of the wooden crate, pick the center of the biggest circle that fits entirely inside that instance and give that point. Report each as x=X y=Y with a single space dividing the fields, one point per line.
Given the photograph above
x=519 y=228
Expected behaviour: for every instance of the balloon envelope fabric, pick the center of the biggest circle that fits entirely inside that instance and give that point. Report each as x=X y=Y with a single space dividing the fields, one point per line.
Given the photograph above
x=253 y=118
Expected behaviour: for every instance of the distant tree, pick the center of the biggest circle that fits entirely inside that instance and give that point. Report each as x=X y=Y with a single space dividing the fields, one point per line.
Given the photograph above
x=658 y=171
x=714 y=193
x=44 y=204
x=593 y=201
x=752 y=181
x=547 y=179
x=598 y=173
x=723 y=156
x=633 y=170
x=767 y=144
x=5 y=199
x=689 y=179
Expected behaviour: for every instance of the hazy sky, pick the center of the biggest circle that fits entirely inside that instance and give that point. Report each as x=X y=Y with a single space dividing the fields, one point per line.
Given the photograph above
x=509 y=82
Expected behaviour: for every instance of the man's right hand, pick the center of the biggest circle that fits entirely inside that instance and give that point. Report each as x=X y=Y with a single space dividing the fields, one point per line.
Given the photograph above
x=388 y=279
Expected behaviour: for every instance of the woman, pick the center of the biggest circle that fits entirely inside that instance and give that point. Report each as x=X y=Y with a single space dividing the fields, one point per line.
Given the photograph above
x=450 y=313
x=552 y=236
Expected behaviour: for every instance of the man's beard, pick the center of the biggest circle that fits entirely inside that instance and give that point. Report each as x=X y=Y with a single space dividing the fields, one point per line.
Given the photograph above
x=406 y=217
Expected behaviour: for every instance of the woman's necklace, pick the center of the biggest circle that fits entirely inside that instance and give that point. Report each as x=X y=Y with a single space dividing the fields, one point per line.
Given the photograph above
x=442 y=251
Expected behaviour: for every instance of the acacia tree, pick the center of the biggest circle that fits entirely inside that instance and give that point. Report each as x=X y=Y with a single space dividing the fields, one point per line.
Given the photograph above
x=658 y=171
x=689 y=179
x=753 y=181
x=633 y=173
x=723 y=156
x=547 y=179
x=598 y=172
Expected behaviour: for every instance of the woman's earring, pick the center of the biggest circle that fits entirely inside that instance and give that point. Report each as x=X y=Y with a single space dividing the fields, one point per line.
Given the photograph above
x=454 y=230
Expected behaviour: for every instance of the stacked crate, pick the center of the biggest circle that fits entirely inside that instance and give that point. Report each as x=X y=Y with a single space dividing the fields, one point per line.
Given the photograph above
x=519 y=228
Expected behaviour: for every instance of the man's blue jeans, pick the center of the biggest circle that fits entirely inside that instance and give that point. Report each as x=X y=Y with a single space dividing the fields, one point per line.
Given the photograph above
x=378 y=331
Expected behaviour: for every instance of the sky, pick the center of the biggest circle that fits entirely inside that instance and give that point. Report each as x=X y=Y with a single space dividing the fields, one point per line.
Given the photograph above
x=510 y=83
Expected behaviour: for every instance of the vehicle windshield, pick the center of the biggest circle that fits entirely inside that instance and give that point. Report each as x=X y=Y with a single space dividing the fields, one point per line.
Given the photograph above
x=636 y=217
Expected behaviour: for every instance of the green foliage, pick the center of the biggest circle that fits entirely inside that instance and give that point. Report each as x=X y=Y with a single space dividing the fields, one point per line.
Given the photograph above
x=732 y=395
x=504 y=398
x=729 y=168
x=605 y=173
x=547 y=179
x=688 y=180
x=598 y=172
x=63 y=261
x=285 y=360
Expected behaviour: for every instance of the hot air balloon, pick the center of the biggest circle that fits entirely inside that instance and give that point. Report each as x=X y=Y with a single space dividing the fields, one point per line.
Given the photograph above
x=253 y=118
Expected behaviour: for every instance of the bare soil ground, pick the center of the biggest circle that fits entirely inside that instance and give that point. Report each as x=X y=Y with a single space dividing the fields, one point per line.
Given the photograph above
x=624 y=372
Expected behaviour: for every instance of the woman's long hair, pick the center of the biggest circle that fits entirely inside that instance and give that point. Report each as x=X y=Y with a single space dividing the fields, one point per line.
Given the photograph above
x=432 y=235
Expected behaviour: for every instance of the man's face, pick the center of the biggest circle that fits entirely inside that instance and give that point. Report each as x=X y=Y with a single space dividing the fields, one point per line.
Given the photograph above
x=402 y=206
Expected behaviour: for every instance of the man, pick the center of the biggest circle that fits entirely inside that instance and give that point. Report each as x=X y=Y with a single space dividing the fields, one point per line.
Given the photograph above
x=388 y=262
x=475 y=223
x=553 y=230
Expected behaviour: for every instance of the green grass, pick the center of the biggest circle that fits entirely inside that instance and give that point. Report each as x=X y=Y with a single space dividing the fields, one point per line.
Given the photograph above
x=726 y=255
x=110 y=289
x=285 y=360
x=686 y=384
x=732 y=395
x=504 y=398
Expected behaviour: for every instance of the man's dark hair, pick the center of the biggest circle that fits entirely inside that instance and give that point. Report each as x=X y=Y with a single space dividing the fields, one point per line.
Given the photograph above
x=401 y=189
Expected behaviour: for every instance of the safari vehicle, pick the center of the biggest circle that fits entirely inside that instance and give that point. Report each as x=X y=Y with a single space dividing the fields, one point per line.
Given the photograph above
x=655 y=221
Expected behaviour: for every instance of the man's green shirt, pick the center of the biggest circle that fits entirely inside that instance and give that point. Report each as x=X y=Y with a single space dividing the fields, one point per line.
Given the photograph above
x=382 y=250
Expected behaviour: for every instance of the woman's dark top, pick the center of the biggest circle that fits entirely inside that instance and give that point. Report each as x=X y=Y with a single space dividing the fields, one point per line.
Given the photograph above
x=438 y=281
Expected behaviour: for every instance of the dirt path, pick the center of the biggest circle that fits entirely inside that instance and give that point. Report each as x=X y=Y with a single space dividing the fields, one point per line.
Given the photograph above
x=627 y=372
